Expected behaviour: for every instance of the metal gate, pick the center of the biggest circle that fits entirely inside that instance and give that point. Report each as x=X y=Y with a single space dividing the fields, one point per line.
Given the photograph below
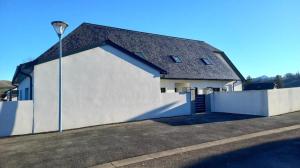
x=199 y=103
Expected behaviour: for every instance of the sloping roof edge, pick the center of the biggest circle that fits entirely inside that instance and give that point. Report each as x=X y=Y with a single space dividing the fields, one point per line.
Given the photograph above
x=109 y=42
x=89 y=29
x=29 y=65
x=231 y=65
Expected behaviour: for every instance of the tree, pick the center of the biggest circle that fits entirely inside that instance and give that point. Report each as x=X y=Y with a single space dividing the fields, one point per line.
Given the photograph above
x=248 y=80
x=278 y=81
x=297 y=75
x=289 y=76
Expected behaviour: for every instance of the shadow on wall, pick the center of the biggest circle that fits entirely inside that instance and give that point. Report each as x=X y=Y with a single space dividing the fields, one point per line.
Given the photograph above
x=171 y=109
x=181 y=115
x=284 y=153
x=8 y=112
x=163 y=111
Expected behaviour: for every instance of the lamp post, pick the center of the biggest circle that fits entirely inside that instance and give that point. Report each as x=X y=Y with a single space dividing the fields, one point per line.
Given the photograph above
x=59 y=27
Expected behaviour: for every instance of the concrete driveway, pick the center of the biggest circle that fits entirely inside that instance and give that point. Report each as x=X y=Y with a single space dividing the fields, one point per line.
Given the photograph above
x=97 y=145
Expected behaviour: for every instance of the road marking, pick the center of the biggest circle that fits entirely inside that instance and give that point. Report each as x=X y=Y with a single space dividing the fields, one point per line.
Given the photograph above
x=142 y=158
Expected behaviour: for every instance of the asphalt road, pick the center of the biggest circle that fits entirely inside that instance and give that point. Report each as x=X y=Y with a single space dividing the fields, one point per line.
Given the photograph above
x=273 y=151
x=102 y=144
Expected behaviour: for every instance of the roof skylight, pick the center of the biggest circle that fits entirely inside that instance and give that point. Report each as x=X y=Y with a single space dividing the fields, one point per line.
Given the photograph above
x=176 y=59
x=206 y=61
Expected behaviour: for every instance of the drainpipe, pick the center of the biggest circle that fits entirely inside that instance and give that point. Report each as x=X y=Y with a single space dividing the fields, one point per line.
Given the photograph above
x=234 y=84
x=16 y=86
x=30 y=81
x=9 y=95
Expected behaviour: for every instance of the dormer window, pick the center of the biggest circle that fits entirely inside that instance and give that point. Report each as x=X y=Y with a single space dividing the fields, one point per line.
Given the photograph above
x=176 y=59
x=206 y=61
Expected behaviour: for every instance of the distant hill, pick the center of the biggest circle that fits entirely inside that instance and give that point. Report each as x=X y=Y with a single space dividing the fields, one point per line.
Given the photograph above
x=288 y=81
x=5 y=85
x=263 y=79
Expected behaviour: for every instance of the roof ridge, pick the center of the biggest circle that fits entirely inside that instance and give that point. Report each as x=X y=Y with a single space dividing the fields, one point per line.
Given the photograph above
x=155 y=46
x=152 y=34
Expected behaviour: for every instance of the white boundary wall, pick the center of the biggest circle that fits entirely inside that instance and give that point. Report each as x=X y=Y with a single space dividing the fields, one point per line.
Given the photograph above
x=246 y=102
x=16 y=118
x=177 y=104
x=281 y=101
x=258 y=102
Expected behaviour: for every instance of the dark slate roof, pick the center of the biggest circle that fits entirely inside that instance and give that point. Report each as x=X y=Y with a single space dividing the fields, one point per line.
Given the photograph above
x=26 y=68
x=259 y=86
x=153 y=48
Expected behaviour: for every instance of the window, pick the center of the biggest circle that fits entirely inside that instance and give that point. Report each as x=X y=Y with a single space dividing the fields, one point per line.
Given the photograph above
x=206 y=61
x=26 y=94
x=176 y=59
x=175 y=90
x=216 y=89
x=163 y=90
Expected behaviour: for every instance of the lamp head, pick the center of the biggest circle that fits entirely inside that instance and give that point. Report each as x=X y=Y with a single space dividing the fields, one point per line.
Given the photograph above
x=59 y=27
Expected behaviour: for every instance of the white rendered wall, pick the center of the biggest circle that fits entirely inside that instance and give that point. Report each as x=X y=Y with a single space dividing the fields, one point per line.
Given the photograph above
x=246 y=102
x=16 y=118
x=281 y=101
x=169 y=84
x=238 y=86
x=101 y=86
x=256 y=102
x=22 y=85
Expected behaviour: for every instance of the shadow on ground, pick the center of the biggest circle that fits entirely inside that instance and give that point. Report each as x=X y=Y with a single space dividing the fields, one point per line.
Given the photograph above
x=8 y=112
x=202 y=118
x=278 y=154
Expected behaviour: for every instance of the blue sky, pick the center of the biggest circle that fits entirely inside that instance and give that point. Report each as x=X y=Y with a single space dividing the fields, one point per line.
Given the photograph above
x=260 y=37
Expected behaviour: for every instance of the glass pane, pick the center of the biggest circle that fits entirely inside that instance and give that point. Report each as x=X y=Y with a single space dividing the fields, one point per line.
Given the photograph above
x=176 y=59
x=206 y=61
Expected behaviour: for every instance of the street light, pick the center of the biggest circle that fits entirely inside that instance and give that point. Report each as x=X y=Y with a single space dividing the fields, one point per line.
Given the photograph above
x=59 y=27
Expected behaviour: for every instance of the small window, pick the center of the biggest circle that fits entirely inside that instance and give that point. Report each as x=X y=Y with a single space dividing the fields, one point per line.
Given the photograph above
x=176 y=59
x=206 y=61
x=163 y=90
x=216 y=89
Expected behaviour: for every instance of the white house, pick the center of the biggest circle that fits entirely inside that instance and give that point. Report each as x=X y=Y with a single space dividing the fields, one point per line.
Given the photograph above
x=114 y=75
